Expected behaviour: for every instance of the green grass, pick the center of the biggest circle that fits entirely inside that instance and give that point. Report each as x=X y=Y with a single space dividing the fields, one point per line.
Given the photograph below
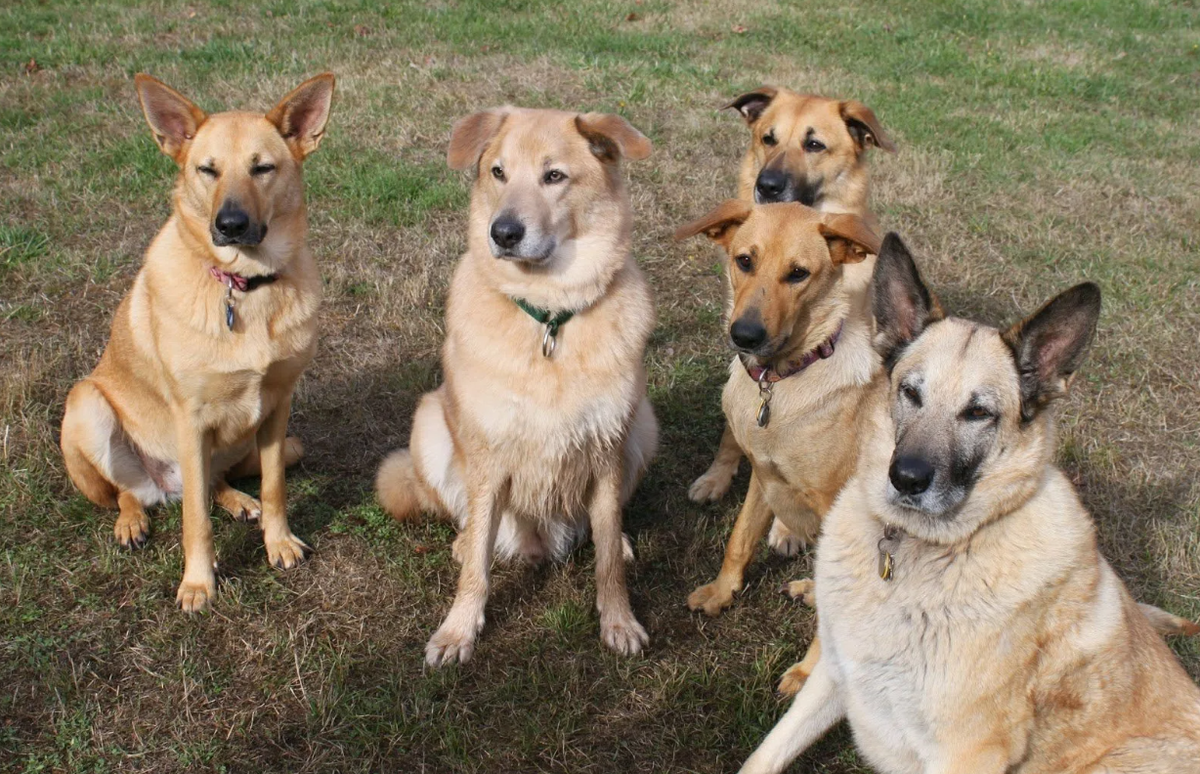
x=1040 y=144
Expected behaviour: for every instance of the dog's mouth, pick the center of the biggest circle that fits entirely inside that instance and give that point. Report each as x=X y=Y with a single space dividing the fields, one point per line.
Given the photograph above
x=251 y=237
x=524 y=254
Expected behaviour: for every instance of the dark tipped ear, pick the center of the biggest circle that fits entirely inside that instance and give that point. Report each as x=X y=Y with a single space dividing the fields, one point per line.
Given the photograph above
x=471 y=135
x=1049 y=345
x=864 y=127
x=300 y=117
x=850 y=238
x=172 y=117
x=721 y=224
x=752 y=104
x=611 y=137
x=902 y=305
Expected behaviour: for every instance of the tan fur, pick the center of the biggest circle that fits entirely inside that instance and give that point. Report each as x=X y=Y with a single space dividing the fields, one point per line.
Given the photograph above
x=803 y=456
x=1004 y=642
x=177 y=399
x=841 y=171
x=527 y=452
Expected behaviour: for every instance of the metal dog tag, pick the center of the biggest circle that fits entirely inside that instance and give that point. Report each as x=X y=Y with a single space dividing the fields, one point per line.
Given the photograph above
x=764 y=408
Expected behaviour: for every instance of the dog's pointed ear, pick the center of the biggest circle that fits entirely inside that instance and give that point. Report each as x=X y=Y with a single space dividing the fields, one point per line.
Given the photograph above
x=172 y=117
x=1049 y=345
x=721 y=224
x=752 y=104
x=301 y=116
x=850 y=238
x=864 y=127
x=611 y=137
x=471 y=135
x=902 y=305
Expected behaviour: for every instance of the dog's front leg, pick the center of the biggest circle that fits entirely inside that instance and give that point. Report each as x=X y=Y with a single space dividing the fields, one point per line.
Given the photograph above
x=748 y=529
x=619 y=629
x=455 y=638
x=284 y=550
x=194 y=444
x=816 y=708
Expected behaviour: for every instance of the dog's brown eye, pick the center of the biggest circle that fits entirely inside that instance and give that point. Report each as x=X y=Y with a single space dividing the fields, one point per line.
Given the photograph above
x=207 y=171
x=813 y=146
x=498 y=173
x=797 y=275
x=553 y=176
x=977 y=413
x=261 y=169
x=911 y=394
x=769 y=139
x=744 y=262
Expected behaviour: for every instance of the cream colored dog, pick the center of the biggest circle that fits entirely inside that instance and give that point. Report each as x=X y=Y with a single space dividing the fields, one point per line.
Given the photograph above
x=206 y=348
x=542 y=427
x=968 y=622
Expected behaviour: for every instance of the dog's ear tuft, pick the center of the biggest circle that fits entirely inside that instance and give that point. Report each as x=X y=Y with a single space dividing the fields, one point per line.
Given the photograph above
x=902 y=305
x=721 y=224
x=470 y=137
x=864 y=127
x=850 y=238
x=300 y=117
x=610 y=137
x=752 y=104
x=1049 y=345
x=172 y=117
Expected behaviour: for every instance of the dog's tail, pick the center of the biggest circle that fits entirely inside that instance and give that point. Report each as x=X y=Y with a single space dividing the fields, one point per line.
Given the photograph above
x=1167 y=623
x=401 y=491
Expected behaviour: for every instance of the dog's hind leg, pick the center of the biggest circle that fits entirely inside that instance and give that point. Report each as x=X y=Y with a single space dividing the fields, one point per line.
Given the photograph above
x=251 y=465
x=1167 y=623
x=815 y=710
x=423 y=478
x=239 y=505
x=714 y=483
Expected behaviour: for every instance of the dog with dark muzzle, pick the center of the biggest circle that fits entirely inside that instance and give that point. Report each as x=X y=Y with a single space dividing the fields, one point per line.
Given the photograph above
x=968 y=622
x=542 y=428
x=197 y=378
x=812 y=150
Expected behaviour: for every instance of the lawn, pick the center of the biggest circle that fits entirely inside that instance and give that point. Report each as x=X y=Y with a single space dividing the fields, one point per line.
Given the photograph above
x=1040 y=144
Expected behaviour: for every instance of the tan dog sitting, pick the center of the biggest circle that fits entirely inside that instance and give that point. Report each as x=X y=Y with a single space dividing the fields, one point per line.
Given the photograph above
x=812 y=150
x=206 y=348
x=542 y=428
x=968 y=621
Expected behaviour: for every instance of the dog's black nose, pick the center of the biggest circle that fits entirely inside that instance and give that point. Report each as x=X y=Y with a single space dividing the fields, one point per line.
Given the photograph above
x=771 y=185
x=747 y=334
x=507 y=232
x=231 y=222
x=911 y=475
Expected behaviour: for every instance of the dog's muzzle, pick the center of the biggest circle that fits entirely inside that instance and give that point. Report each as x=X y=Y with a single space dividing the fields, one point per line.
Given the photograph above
x=232 y=226
x=511 y=241
x=776 y=185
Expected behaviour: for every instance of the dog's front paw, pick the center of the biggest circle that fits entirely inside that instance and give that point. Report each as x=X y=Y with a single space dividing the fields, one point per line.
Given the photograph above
x=711 y=486
x=793 y=680
x=453 y=641
x=783 y=541
x=132 y=528
x=712 y=598
x=194 y=596
x=285 y=550
x=623 y=634
x=804 y=590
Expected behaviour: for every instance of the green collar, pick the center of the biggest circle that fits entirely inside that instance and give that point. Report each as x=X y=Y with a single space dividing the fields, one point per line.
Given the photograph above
x=551 y=321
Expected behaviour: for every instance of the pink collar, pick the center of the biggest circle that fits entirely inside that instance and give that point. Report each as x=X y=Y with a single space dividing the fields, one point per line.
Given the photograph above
x=770 y=375
x=244 y=284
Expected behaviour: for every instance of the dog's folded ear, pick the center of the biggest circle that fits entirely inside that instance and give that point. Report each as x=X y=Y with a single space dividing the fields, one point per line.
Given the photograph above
x=902 y=305
x=719 y=225
x=611 y=137
x=471 y=135
x=864 y=127
x=172 y=117
x=850 y=238
x=300 y=116
x=752 y=104
x=1049 y=345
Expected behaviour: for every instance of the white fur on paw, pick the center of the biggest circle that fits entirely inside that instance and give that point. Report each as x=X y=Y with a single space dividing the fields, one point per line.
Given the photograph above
x=783 y=541
x=626 y=546
x=623 y=634
x=452 y=642
x=710 y=487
